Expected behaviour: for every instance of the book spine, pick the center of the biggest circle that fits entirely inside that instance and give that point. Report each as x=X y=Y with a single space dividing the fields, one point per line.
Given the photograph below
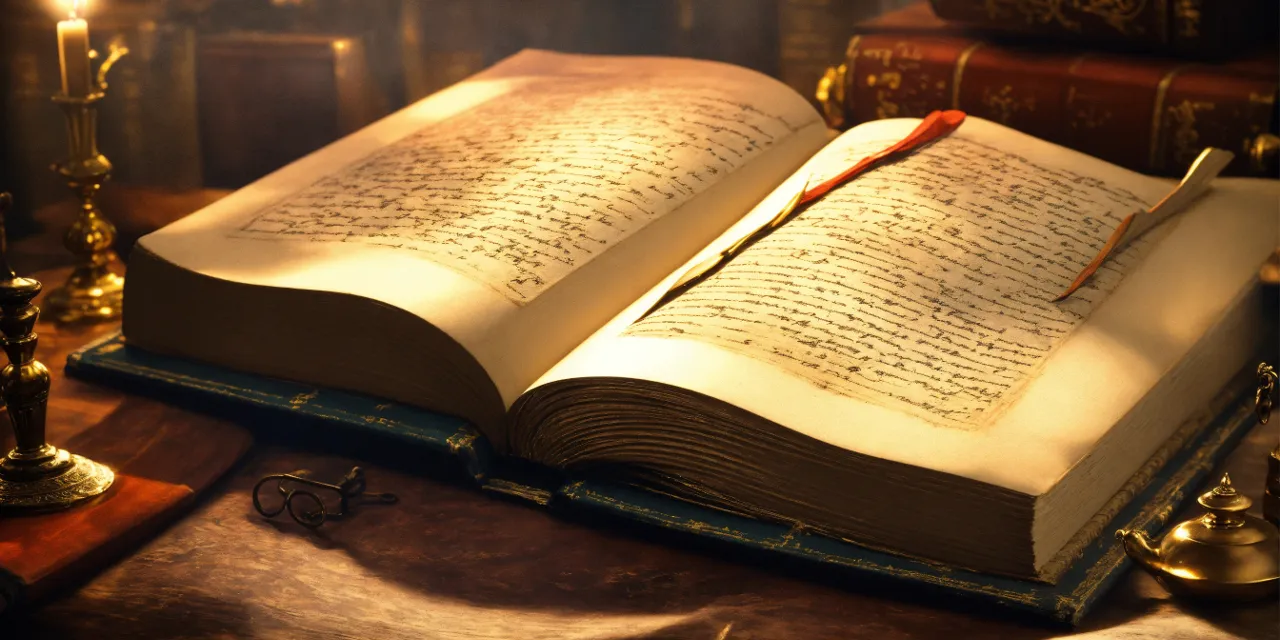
x=1199 y=28
x=812 y=33
x=1151 y=116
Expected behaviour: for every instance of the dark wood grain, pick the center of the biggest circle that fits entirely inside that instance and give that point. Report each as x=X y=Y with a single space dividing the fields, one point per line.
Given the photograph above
x=449 y=562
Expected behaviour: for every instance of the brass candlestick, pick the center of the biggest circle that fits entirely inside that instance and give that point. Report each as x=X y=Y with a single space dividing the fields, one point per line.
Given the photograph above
x=92 y=291
x=35 y=476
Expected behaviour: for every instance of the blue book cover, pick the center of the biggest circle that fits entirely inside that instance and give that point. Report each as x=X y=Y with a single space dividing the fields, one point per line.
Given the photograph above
x=441 y=442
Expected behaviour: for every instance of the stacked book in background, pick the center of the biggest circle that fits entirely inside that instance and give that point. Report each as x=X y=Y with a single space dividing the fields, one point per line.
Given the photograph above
x=1147 y=88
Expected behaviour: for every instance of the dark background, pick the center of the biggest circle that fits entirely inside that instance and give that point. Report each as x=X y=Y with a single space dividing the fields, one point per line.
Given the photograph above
x=216 y=93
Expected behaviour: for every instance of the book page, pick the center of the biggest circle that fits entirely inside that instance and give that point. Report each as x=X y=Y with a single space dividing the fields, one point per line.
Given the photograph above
x=519 y=210
x=518 y=193
x=925 y=286
x=911 y=319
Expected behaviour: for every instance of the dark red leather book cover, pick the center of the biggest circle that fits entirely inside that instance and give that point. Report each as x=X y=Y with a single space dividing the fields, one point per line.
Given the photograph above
x=1202 y=29
x=1149 y=115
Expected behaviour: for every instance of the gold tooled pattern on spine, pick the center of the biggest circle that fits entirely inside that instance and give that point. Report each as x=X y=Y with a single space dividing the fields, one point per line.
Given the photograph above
x=1187 y=14
x=462 y=440
x=1117 y=14
x=959 y=73
x=1186 y=137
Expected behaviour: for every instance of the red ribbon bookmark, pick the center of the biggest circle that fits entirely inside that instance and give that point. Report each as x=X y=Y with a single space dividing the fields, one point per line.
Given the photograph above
x=934 y=126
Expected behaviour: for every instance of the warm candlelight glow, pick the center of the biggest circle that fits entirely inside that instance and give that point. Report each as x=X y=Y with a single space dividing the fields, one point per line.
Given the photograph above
x=73 y=52
x=67 y=9
x=73 y=8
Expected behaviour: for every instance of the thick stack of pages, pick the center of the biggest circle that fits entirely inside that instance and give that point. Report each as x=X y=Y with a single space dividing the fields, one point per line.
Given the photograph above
x=887 y=368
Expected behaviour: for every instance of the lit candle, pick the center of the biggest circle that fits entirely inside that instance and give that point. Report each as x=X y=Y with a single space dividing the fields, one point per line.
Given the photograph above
x=73 y=53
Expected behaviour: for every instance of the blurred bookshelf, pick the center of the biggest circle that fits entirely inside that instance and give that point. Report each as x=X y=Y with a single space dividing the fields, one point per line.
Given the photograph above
x=216 y=93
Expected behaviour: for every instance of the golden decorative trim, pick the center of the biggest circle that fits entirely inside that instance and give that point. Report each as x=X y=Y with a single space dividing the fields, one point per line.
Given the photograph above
x=461 y=440
x=1003 y=104
x=303 y=398
x=959 y=73
x=1186 y=140
x=541 y=497
x=97 y=345
x=1157 y=113
x=1118 y=14
x=830 y=94
x=851 y=51
x=1188 y=15
x=1263 y=149
x=789 y=536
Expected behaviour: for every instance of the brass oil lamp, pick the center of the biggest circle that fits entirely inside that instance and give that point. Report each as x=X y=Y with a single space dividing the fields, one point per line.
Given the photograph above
x=1225 y=554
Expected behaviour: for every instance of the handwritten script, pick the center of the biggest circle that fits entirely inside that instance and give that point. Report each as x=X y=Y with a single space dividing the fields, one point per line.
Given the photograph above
x=924 y=286
x=520 y=191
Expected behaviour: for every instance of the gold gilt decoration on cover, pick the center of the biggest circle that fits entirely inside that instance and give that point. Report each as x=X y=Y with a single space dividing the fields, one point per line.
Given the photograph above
x=1118 y=14
x=1186 y=15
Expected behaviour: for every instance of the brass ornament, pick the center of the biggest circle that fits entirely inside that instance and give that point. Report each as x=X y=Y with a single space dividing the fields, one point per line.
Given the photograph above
x=1269 y=274
x=93 y=292
x=35 y=476
x=1264 y=153
x=1225 y=554
x=830 y=94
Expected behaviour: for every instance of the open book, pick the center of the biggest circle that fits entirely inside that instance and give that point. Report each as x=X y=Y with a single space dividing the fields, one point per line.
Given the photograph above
x=887 y=368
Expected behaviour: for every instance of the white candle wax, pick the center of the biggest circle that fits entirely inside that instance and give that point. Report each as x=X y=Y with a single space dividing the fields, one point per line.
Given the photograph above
x=73 y=53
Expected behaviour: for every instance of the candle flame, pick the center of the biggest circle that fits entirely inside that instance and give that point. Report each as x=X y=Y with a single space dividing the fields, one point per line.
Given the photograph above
x=76 y=6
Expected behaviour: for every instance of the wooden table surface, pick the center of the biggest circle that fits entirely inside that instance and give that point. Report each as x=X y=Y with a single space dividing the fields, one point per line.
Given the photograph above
x=448 y=562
